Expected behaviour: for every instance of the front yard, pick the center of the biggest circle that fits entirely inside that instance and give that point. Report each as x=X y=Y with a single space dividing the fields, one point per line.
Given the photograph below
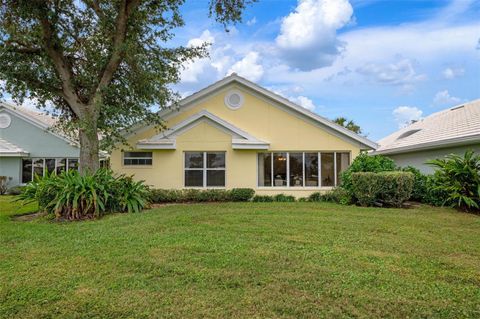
x=292 y=260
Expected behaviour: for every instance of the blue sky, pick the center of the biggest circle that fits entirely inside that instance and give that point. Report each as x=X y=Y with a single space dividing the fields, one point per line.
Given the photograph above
x=380 y=63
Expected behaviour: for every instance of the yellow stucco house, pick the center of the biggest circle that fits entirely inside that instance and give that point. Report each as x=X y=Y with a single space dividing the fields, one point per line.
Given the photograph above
x=235 y=133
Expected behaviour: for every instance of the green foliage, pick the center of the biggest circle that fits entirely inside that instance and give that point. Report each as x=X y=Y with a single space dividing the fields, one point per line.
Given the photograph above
x=283 y=198
x=196 y=195
x=73 y=196
x=337 y=195
x=241 y=194
x=458 y=177
x=435 y=195
x=420 y=191
x=348 y=124
x=366 y=163
x=100 y=64
x=263 y=199
x=275 y=198
x=384 y=188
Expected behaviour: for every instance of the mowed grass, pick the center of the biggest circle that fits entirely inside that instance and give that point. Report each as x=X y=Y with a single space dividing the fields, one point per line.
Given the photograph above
x=242 y=260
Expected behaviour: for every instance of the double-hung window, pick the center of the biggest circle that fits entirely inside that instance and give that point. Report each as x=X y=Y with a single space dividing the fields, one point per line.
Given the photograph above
x=204 y=169
x=301 y=169
x=137 y=158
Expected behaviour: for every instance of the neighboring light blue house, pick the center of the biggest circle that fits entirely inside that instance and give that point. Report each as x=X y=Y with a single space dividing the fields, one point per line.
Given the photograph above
x=28 y=147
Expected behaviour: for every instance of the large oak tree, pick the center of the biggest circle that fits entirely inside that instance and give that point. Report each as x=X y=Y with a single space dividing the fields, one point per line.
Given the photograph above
x=100 y=64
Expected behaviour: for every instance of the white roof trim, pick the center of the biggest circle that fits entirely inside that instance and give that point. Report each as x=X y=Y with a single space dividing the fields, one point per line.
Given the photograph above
x=167 y=139
x=364 y=142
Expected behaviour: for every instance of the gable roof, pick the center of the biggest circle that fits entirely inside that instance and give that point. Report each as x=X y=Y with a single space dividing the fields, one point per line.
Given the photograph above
x=458 y=125
x=9 y=149
x=36 y=118
x=278 y=100
x=167 y=139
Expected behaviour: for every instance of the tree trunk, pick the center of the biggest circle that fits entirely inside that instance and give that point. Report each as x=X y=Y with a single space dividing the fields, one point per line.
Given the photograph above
x=89 y=145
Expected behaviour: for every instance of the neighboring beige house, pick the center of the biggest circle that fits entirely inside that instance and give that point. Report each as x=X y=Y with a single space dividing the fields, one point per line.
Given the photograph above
x=454 y=130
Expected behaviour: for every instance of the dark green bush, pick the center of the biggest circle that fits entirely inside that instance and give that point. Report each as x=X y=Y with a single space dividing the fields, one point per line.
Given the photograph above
x=315 y=197
x=384 y=188
x=365 y=187
x=284 y=198
x=434 y=194
x=165 y=196
x=197 y=195
x=213 y=195
x=458 y=178
x=263 y=199
x=71 y=196
x=366 y=163
x=337 y=195
x=419 y=192
x=241 y=194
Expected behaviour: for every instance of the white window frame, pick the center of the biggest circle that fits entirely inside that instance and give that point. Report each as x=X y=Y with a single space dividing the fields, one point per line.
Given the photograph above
x=136 y=157
x=319 y=156
x=33 y=159
x=204 y=169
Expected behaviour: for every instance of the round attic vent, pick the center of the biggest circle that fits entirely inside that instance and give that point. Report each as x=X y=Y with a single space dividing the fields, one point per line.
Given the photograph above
x=234 y=99
x=5 y=120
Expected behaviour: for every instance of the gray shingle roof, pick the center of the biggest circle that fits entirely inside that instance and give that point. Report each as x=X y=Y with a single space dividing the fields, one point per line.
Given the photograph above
x=8 y=148
x=458 y=125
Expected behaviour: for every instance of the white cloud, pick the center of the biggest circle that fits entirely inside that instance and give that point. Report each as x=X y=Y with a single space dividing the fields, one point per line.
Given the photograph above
x=252 y=21
x=248 y=67
x=308 y=37
x=304 y=102
x=194 y=69
x=452 y=73
x=443 y=98
x=404 y=115
x=401 y=73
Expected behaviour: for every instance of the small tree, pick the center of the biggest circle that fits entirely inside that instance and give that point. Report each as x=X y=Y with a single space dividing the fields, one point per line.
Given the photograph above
x=101 y=64
x=348 y=124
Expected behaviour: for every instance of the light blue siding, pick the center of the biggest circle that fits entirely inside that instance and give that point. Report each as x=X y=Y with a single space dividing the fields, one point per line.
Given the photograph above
x=38 y=142
x=11 y=167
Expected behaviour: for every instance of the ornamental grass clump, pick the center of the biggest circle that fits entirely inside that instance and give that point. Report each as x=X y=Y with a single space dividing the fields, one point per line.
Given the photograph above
x=72 y=196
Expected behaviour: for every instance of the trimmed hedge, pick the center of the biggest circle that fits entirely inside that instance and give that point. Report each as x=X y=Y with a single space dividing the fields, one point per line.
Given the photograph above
x=196 y=195
x=275 y=198
x=241 y=194
x=384 y=188
x=337 y=195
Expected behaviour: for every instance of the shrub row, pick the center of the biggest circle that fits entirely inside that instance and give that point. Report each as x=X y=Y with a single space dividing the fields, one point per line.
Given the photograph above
x=72 y=196
x=275 y=198
x=384 y=188
x=338 y=195
x=195 y=195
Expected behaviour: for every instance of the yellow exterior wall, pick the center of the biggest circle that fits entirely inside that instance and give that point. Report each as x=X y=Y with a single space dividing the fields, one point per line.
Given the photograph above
x=259 y=117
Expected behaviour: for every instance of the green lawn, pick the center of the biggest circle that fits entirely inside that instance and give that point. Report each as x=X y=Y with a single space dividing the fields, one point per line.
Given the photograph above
x=243 y=260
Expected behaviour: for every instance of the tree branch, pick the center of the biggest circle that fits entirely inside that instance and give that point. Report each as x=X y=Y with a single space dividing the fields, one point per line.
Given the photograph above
x=61 y=66
x=116 y=57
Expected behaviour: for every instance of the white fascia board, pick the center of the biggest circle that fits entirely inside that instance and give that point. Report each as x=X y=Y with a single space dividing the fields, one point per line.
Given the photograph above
x=250 y=146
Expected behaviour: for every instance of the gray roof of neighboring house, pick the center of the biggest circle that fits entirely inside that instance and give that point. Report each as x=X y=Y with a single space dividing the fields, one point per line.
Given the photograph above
x=458 y=125
x=9 y=149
